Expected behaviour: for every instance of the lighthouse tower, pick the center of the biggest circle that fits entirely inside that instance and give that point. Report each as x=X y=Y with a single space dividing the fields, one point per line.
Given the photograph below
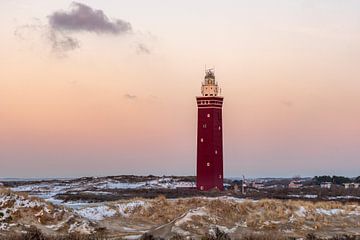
x=209 y=136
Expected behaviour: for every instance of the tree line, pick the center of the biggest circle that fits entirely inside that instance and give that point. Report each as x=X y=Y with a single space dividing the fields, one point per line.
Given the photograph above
x=335 y=179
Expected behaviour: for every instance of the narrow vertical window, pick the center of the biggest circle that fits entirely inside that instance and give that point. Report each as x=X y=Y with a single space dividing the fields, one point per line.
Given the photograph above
x=201 y=140
x=208 y=164
x=208 y=115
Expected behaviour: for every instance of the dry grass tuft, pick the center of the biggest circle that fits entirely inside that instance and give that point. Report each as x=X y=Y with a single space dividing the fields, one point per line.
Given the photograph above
x=263 y=236
x=34 y=233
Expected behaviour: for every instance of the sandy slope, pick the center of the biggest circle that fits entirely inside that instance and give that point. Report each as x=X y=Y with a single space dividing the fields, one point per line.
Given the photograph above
x=188 y=216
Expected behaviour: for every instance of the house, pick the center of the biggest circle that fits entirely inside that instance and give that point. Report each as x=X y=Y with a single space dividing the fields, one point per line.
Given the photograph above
x=351 y=185
x=295 y=184
x=257 y=185
x=326 y=185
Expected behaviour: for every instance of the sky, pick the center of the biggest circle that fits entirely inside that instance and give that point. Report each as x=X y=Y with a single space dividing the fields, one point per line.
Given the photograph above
x=95 y=88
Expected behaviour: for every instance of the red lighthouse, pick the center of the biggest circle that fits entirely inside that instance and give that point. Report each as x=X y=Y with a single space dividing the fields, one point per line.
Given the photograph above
x=209 y=136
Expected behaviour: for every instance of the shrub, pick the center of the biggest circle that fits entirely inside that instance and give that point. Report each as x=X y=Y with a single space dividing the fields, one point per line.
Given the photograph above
x=218 y=235
x=263 y=236
x=311 y=236
x=34 y=234
x=177 y=237
x=147 y=236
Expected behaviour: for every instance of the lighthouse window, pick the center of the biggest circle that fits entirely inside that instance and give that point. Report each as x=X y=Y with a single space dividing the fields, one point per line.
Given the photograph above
x=220 y=176
x=208 y=115
x=208 y=164
x=219 y=128
x=215 y=151
x=201 y=187
x=201 y=140
x=204 y=125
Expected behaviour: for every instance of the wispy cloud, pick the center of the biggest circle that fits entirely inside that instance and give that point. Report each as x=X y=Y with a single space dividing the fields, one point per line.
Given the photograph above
x=62 y=42
x=63 y=27
x=141 y=48
x=130 y=97
x=287 y=103
x=84 y=18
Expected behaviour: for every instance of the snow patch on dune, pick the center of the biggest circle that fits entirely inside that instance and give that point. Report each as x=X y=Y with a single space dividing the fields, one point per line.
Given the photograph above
x=190 y=214
x=4 y=226
x=125 y=209
x=329 y=212
x=301 y=212
x=81 y=227
x=97 y=213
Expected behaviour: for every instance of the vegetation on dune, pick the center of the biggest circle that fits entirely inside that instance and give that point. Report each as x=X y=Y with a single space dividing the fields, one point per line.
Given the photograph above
x=220 y=235
x=225 y=217
x=334 y=179
x=266 y=216
x=35 y=234
x=357 y=179
x=216 y=235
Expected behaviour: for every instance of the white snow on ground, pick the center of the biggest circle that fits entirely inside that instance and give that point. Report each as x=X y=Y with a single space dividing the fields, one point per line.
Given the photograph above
x=82 y=227
x=4 y=226
x=33 y=187
x=125 y=209
x=120 y=185
x=329 y=212
x=303 y=196
x=309 y=196
x=168 y=183
x=96 y=213
x=222 y=198
x=130 y=237
x=188 y=216
x=301 y=212
x=226 y=230
x=60 y=224
x=4 y=214
x=343 y=197
x=49 y=190
x=10 y=203
x=157 y=183
x=233 y=199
